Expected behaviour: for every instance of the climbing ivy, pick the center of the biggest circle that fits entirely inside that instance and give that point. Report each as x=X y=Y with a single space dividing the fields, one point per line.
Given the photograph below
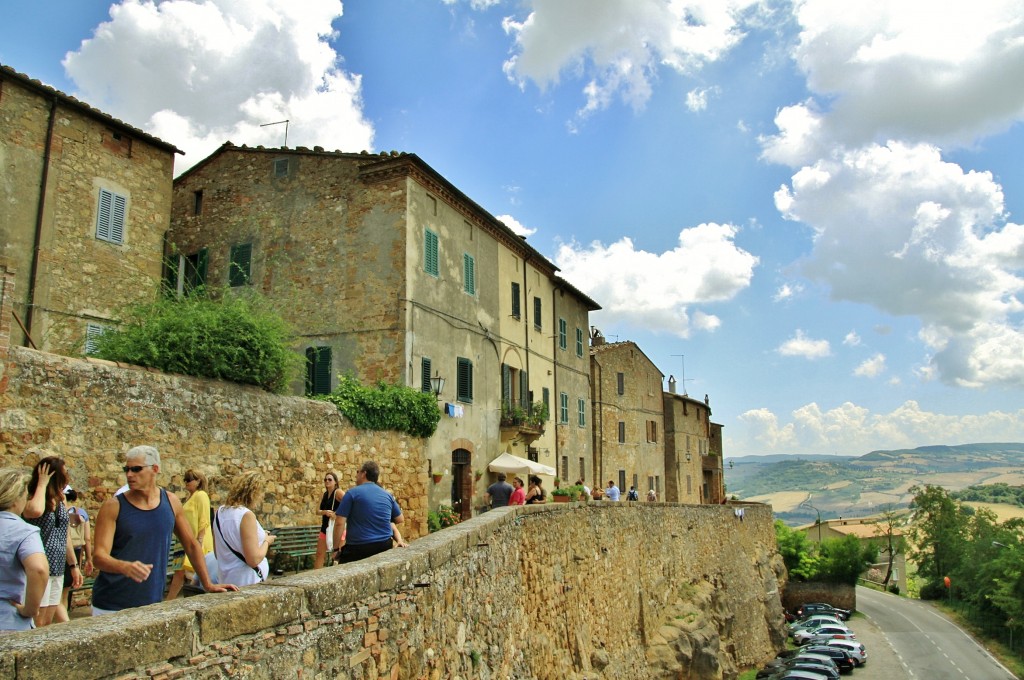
x=385 y=407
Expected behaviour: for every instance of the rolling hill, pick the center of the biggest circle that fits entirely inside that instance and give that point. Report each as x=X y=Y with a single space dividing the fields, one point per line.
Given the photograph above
x=843 y=486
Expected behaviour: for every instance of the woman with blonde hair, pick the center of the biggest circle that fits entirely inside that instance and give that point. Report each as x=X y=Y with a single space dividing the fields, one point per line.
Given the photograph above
x=240 y=541
x=197 y=512
x=24 y=572
x=46 y=510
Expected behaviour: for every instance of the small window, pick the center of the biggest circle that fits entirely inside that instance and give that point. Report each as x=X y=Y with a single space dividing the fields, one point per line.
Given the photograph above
x=532 y=455
x=579 y=342
x=281 y=167
x=318 y=370
x=620 y=383
x=197 y=202
x=652 y=430
x=430 y=263
x=564 y=472
x=563 y=408
x=468 y=274
x=516 y=311
x=650 y=483
x=465 y=380
x=425 y=369
x=622 y=481
x=546 y=398
x=240 y=269
x=583 y=468
x=537 y=313
x=581 y=412
x=563 y=330
x=622 y=432
x=93 y=331
x=110 y=217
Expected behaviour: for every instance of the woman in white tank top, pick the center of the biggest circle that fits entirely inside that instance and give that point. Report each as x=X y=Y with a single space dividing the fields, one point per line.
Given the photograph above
x=241 y=543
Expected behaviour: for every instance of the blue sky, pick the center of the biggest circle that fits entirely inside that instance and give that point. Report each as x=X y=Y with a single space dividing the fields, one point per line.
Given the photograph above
x=820 y=210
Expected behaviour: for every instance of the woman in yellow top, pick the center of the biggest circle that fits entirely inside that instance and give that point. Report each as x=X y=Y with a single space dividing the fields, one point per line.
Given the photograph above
x=197 y=512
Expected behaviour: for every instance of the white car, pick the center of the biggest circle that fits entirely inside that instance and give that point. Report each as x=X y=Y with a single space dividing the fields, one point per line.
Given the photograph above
x=853 y=648
x=814 y=622
x=805 y=635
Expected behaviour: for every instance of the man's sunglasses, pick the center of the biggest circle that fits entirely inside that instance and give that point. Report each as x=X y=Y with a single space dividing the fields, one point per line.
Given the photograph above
x=135 y=468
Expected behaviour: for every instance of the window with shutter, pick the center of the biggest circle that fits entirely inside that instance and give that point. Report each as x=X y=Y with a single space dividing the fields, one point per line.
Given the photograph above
x=281 y=167
x=465 y=380
x=620 y=382
x=622 y=432
x=240 y=269
x=579 y=342
x=93 y=331
x=468 y=274
x=581 y=412
x=537 y=313
x=622 y=481
x=524 y=393
x=565 y=470
x=516 y=311
x=563 y=330
x=425 y=375
x=318 y=370
x=546 y=398
x=430 y=253
x=563 y=408
x=110 y=216
x=506 y=385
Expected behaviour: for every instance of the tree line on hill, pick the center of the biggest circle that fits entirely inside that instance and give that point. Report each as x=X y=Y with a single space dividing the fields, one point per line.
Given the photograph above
x=992 y=493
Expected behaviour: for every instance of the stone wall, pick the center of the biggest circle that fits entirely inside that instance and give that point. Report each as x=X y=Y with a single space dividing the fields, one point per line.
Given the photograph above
x=590 y=590
x=90 y=412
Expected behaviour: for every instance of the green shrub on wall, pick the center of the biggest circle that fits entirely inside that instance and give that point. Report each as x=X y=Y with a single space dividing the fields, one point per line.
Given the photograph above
x=236 y=338
x=385 y=407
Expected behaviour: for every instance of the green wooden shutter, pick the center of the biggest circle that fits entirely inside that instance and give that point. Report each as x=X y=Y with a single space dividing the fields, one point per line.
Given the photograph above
x=240 y=269
x=524 y=391
x=516 y=310
x=468 y=274
x=546 y=398
x=506 y=385
x=425 y=375
x=318 y=370
x=465 y=380
x=430 y=253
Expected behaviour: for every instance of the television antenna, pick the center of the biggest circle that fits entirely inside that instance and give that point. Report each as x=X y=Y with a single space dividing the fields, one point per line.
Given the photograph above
x=285 y=121
x=684 y=379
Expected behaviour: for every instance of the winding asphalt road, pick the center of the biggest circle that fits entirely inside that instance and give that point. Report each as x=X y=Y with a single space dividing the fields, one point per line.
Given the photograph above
x=910 y=640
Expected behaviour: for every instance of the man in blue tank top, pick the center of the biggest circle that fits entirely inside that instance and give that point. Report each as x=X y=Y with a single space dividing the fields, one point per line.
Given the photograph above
x=366 y=513
x=132 y=539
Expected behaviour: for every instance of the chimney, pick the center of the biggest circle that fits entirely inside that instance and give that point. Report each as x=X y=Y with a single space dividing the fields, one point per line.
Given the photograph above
x=672 y=384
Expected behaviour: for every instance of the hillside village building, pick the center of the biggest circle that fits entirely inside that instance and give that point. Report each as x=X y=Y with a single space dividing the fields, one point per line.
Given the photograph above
x=86 y=203
x=629 y=429
x=389 y=272
x=693 y=468
x=867 y=530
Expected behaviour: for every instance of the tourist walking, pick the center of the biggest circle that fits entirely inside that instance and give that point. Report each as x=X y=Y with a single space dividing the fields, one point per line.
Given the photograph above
x=632 y=495
x=240 y=540
x=197 y=513
x=133 y=538
x=499 y=493
x=518 y=496
x=363 y=520
x=612 y=492
x=328 y=505
x=24 y=572
x=46 y=510
x=81 y=542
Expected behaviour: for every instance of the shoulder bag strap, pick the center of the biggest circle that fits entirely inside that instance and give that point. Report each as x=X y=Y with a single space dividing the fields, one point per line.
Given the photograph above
x=233 y=551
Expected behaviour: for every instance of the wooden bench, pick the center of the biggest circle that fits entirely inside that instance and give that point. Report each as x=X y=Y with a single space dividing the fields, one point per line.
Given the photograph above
x=292 y=546
x=175 y=560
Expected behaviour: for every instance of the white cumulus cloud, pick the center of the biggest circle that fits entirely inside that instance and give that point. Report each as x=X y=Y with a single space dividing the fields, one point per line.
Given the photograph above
x=197 y=74
x=515 y=225
x=656 y=290
x=871 y=368
x=802 y=346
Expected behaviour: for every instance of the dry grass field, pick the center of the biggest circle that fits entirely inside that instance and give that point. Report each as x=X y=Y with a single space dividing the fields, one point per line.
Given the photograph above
x=1002 y=511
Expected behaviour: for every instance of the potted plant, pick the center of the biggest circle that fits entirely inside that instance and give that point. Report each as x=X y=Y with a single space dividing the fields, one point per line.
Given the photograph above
x=561 y=495
x=478 y=474
x=437 y=477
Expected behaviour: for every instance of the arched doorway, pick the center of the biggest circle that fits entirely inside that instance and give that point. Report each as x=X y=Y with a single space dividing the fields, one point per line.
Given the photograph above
x=462 y=483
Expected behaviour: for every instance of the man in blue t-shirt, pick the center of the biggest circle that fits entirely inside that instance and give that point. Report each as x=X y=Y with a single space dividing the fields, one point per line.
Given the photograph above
x=364 y=517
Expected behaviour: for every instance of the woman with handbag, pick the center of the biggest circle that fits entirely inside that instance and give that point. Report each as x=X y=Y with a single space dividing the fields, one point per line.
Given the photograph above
x=241 y=543
x=328 y=504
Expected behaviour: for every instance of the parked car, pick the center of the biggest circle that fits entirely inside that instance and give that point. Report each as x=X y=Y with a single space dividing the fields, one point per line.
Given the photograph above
x=853 y=648
x=815 y=621
x=806 y=635
x=822 y=608
x=842 y=658
x=816 y=663
x=796 y=674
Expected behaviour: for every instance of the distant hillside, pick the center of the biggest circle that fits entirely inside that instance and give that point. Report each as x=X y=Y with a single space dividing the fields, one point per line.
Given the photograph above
x=840 y=486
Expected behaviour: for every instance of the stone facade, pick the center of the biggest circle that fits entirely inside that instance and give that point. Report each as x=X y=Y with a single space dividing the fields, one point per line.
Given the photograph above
x=90 y=412
x=59 y=157
x=400 y=277
x=693 y=473
x=558 y=591
x=629 y=424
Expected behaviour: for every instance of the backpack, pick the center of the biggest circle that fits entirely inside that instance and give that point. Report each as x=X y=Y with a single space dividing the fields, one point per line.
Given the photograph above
x=632 y=495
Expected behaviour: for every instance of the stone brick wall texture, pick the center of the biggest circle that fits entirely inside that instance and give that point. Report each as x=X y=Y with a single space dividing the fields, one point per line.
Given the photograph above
x=90 y=412
x=588 y=590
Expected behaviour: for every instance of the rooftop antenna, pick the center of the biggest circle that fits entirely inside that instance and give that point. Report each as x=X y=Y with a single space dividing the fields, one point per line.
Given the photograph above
x=684 y=379
x=285 y=121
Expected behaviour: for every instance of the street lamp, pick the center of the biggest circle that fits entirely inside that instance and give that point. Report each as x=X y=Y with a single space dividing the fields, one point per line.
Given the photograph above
x=437 y=384
x=819 y=518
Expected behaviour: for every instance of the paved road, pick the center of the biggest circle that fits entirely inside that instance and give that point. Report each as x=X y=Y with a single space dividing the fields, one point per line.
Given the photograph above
x=910 y=639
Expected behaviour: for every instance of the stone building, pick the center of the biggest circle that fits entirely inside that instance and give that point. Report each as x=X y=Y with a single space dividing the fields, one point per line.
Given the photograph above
x=391 y=273
x=629 y=429
x=86 y=206
x=693 y=466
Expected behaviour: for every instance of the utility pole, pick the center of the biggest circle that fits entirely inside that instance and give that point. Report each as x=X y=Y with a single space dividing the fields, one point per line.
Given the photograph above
x=682 y=359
